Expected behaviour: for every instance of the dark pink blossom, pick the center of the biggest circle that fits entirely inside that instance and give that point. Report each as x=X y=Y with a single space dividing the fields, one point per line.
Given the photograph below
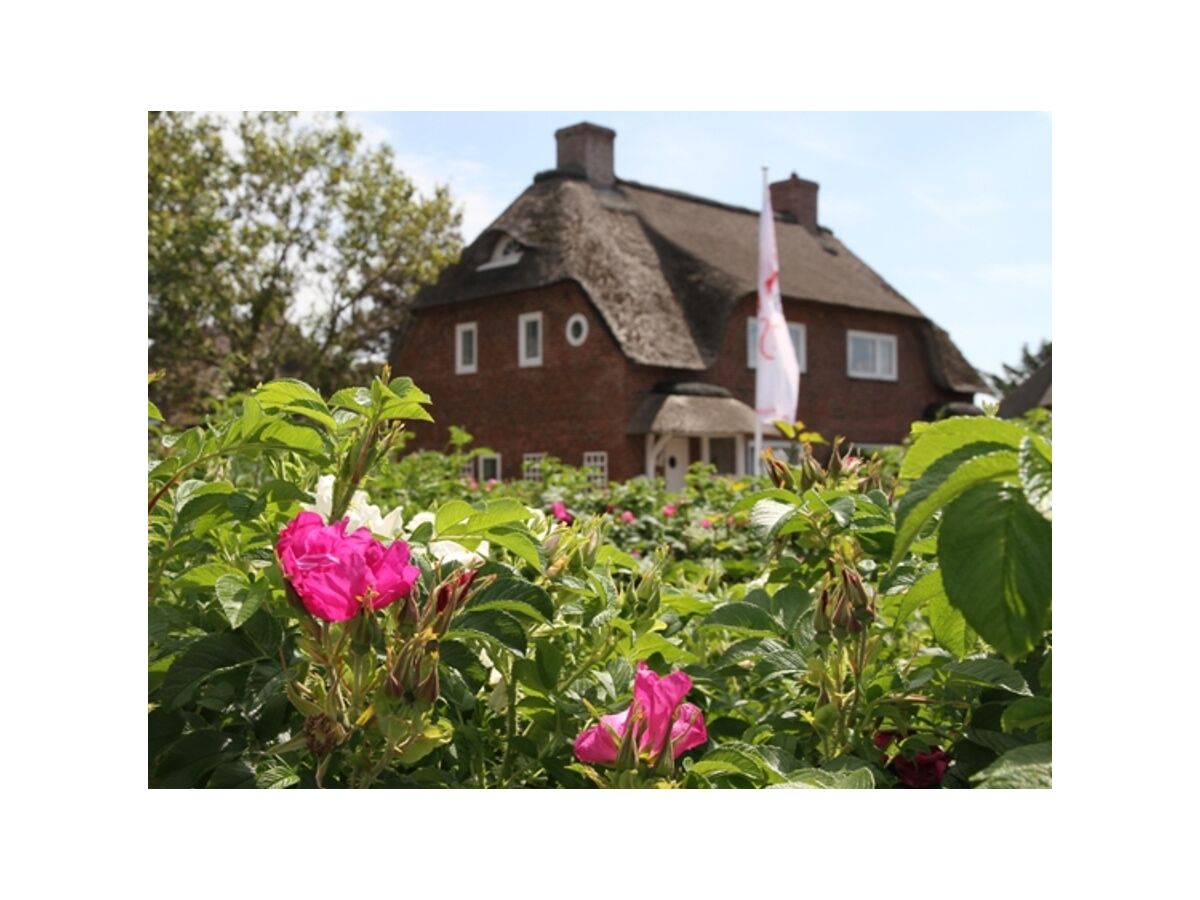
x=658 y=716
x=336 y=574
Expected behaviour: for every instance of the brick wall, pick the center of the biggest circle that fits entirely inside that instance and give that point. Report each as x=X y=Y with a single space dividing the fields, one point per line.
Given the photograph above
x=576 y=401
x=582 y=398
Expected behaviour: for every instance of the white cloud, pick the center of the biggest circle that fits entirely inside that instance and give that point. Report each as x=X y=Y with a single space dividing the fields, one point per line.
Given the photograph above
x=1024 y=274
x=959 y=210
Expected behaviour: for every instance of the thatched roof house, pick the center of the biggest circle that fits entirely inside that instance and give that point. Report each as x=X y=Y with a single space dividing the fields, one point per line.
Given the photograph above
x=668 y=279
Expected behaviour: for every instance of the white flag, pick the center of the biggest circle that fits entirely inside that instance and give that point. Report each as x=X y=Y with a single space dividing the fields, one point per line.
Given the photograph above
x=777 y=377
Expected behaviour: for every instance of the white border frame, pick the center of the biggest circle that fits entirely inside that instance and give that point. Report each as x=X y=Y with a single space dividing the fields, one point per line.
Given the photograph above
x=598 y=469
x=459 y=330
x=523 y=360
x=499 y=466
x=577 y=317
x=531 y=466
x=801 y=351
x=878 y=337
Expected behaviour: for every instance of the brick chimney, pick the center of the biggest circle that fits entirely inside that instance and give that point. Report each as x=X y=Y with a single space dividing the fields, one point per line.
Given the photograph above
x=587 y=149
x=796 y=197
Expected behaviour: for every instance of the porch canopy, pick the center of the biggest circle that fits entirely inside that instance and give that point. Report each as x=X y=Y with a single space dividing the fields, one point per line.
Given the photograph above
x=692 y=416
x=677 y=413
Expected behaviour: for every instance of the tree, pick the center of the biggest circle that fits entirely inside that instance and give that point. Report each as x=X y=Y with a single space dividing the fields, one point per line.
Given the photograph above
x=279 y=246
x=1016 y=375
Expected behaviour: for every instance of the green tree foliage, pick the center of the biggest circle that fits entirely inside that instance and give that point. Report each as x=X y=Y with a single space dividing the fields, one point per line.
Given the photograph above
x=1015 y=375
x=279 y=246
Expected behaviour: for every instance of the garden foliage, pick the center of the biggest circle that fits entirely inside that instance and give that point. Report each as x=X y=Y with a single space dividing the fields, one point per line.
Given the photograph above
x=879 y=622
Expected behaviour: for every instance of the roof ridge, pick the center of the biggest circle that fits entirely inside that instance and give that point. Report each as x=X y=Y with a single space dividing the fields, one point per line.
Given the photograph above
x=719 y=204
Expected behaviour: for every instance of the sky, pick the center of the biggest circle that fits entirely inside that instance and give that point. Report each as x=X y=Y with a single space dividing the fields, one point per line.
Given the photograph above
x=951 y=209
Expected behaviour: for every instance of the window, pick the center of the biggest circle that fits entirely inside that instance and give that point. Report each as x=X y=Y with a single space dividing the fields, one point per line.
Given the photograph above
x=468 y=469
x=506 y=252
x=795 y=329
x=465 y=349
x=577 y=329
x=531 y=464
x=596 y=463
x=529 y=339
x=489 y=467
x=870 y=355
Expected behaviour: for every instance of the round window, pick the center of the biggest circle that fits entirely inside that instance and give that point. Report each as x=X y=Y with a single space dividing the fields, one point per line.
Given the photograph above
x=577 y=329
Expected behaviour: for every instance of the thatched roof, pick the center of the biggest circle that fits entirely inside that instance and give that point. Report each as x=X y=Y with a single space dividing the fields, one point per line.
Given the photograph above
x=665 y=269
x=691 y=415
x=1034 y=391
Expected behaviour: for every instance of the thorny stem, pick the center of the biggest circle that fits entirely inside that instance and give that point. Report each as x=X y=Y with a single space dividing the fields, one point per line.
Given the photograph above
x=510 y=725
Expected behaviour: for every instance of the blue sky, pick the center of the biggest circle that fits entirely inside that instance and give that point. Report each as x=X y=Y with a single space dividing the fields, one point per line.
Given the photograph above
x=952 y=209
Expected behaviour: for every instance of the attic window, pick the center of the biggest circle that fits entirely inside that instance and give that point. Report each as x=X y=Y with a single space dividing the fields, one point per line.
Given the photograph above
x=506 y=252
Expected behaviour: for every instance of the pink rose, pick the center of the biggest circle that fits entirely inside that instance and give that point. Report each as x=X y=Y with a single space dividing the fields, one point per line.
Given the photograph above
x=658 y=716
x=559 y=511
x=336 y=574
x=627 y=517
x=472 y=483
x=706 y=523
x=669 y=510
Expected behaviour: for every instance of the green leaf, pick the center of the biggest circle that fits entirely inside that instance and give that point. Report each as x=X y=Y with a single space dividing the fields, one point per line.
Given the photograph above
x=990 y=672
x=239 y=600
x=207 y=575
x=610 y=555
x=851 y=779
x=769 y=516
x=496 y=624
x=154 y=413
x=946 y=479
x=652 y=642
x=521 y=594
x=788 y=497
x=933 y=441
x=209 y=656
x=193 y=756
x=741 y=616
x=922 y=591
x=518 y=544
x=357 y=399
x=498 y=512
x=1028 y=712
x=950 y=628
x=736 y=759
x=278 y=433
x=1022 y=767
x=275 y=775
x=450 y=513
x=779 y=663
x=995 y=555
x=1036 y=472
x=789 y=603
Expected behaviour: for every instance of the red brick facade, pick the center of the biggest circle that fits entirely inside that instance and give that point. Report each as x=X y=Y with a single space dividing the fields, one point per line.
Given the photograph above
x=582 y=398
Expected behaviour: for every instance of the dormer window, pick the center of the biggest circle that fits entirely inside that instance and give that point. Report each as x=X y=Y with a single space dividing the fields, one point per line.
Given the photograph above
x=505 y=252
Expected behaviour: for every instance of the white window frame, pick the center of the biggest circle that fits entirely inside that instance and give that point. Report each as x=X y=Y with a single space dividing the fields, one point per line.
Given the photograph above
x=596 y=462
x=524 y=360
x=879 y=339
x=506 y=252
x=468 y=469
x=798 y=332
x=582 y=320
x=479 y=460
x=460 y=368
x=531 y=466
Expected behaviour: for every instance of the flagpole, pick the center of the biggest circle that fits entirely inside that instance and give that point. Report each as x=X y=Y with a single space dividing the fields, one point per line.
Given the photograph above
x=756 y=467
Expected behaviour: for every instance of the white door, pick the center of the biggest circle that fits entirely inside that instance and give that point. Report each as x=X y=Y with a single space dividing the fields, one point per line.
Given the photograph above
x=675 y=462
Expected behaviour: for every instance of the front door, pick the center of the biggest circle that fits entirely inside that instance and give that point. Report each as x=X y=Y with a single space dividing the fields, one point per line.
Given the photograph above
x=675 y=462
